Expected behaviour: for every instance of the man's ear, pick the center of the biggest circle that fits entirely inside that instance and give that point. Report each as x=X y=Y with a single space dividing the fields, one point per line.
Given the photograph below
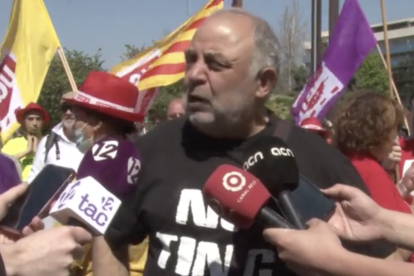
x=266 y=80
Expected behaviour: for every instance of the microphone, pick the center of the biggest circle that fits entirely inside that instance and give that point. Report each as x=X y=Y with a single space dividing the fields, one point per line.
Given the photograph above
x=86 y=203
x=113 y=166
x=270 y=159
x=239 y=197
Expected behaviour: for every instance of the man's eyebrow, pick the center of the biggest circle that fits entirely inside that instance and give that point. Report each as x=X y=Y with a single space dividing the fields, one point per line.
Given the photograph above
x=218 y=56
x=189 y=51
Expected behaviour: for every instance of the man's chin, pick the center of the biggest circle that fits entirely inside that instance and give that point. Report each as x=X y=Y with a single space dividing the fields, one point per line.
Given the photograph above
x=34 y=132
x=200 y=118
x=68 y=124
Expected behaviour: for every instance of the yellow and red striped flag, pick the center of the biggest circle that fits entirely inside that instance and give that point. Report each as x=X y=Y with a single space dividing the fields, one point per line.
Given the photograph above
x=164 y=63
x=25 y=55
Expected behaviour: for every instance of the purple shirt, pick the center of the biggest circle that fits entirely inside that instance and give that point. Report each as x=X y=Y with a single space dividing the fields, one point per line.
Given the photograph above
x=114 y=163
x=9 y=176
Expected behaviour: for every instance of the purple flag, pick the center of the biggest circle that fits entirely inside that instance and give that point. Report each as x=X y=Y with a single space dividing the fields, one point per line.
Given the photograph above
x=349 y=45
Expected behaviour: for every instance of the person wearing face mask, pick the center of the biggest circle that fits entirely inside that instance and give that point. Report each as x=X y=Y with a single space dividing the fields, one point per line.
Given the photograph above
x=59 y=147
x=105 y=117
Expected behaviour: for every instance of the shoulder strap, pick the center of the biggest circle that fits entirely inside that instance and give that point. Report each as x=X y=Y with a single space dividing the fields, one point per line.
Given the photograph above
x=282 y=130
x=50 y=140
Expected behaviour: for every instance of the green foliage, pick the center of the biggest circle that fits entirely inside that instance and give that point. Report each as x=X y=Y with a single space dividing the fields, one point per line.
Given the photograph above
x=167 y=93
x=281 y=105
x=57 y=83
x=372 y=75
x=131 y=51
x=300 y=75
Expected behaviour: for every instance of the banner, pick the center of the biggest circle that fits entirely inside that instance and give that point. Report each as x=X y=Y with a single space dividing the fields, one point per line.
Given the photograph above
x=25 y=55
x=164 y=63
x=348 y=47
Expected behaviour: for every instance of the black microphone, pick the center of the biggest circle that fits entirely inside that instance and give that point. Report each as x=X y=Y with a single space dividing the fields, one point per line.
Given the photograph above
x=270 y=160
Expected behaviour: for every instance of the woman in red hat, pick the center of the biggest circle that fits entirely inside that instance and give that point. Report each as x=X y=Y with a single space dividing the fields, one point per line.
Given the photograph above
x=32 y=119
x=104 y=109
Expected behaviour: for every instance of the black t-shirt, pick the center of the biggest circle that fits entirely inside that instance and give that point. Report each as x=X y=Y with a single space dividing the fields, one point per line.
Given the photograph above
x=186 y=237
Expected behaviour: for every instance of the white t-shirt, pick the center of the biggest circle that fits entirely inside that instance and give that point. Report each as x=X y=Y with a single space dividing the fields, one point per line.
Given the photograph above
x=70 y=157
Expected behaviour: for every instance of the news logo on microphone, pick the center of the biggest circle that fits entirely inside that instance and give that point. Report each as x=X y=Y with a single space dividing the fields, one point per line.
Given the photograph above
x=234 y=181
x=87 y=201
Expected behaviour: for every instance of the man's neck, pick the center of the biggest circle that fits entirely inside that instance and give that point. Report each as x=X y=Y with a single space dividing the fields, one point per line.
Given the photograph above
x=68 y=134
x=38 y=135
x=242 y=131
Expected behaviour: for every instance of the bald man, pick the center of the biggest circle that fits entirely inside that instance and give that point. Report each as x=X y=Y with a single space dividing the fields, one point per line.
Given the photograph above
x=175 y=109
x=232 y=67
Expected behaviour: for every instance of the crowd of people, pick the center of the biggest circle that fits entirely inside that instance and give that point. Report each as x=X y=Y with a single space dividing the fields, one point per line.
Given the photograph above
x=164 y=226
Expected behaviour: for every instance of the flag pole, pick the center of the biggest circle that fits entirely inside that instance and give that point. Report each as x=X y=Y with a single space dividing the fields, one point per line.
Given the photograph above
x=389 y=70
x=387 y=47
x=394 y=87
x=67 y=69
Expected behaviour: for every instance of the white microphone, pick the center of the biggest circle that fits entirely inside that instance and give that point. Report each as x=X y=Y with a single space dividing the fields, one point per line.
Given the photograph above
x=88 y=202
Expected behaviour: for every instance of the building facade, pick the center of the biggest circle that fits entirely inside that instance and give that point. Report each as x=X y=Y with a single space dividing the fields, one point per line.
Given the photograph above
x=401 y=42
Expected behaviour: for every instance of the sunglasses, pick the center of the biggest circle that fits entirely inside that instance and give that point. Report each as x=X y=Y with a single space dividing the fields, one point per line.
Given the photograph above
x=65 y=107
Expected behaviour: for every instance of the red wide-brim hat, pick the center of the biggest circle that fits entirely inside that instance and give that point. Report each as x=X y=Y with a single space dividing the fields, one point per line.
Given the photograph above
x=21 y=112
x=108 y=94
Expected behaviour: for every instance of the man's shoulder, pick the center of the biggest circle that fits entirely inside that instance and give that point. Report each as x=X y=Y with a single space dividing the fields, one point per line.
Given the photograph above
x=321 y=162
x=162 y=134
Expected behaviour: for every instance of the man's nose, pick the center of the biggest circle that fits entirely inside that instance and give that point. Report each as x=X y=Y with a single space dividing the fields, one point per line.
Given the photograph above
x=196 y=74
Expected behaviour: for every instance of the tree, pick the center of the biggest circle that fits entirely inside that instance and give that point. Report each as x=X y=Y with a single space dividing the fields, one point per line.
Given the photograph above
x=281 y=105
x=57 y=83
x=372 y=75
x=300 y=75
x=131 y=51
x=292 y=35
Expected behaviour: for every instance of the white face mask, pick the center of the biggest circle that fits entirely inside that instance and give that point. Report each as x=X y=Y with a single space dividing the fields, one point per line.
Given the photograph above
x=81 y=143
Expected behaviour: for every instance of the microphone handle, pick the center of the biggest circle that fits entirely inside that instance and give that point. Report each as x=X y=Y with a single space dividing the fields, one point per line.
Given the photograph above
x=269 y=218
x=286 y=202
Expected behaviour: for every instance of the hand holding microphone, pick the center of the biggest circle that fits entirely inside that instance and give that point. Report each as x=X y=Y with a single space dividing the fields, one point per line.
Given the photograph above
x=45 y=253
x=307 y=252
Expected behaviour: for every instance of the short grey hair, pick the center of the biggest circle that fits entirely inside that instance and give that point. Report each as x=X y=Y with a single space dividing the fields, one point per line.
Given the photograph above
x=267 y=47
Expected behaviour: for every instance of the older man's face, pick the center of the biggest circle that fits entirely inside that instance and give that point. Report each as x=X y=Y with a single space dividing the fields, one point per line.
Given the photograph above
x=219 y=85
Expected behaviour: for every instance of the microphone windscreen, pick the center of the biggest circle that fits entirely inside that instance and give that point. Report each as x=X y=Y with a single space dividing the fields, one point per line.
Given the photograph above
x=270 y=159
x=235 y=194
x=114 y=163
x=87 y=203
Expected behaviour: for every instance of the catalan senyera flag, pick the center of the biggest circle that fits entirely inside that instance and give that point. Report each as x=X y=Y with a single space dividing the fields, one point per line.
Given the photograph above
x=163 y=64
x=25 y=55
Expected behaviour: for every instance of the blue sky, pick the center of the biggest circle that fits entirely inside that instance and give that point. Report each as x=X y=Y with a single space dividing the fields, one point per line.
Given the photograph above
x=87 y=25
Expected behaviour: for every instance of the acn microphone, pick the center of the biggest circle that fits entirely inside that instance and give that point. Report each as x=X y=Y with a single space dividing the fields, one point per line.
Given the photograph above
x=271 y=160
x=241 y=198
